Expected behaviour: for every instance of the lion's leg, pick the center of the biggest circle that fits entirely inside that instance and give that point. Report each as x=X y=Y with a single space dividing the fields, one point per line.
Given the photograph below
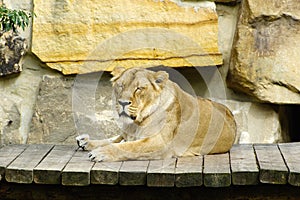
x=85 y=143
x=144 y=149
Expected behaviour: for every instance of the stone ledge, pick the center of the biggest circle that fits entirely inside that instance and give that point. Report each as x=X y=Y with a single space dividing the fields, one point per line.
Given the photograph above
x=68 y=36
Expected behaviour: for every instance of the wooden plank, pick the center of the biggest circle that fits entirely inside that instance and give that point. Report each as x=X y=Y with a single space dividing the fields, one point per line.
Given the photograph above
x=161 y=173
x=21 y=169
x=291 y=155
x=49 y=170
x=77 y=171
x=216 y=172
x=106 y=173
x=188 y=172
x=8 y=154
x=244 y=168
x=133 y=173
x=272 y=167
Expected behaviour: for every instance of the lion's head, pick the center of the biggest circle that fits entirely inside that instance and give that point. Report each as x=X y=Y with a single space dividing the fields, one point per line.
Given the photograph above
x=137 y=92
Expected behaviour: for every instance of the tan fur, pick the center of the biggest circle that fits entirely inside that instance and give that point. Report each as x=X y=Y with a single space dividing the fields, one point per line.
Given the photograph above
x=160 y=120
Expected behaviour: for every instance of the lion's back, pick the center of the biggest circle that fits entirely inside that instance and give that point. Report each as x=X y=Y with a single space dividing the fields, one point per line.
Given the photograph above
x=216 y=129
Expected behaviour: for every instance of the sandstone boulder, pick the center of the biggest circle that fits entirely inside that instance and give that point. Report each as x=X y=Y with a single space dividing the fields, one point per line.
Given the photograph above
x=18 y=95
x=10 y=118
x=265 y=56
x=256 y=123
x=80 y=37
x=68 y=106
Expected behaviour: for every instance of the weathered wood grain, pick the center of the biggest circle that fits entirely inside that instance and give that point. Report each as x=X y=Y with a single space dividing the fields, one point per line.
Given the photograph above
x=272 y=167
x=188 y=172
x=244 y=168
x=216 y=172
x=21 y=169
x=49 y=170
x=291 y=154
x=161 y=173
x=133 y=173
x=106 y=173
x=62 y=164
x=8 y=154
x=77 y=171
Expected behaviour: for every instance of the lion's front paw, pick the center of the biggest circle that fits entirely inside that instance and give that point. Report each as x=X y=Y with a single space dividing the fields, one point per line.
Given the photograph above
x=98 y=156
x=83 y=141
x=106 y=153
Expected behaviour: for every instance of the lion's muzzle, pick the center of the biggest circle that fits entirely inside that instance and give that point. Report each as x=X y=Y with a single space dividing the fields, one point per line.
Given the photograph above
x=124 y=104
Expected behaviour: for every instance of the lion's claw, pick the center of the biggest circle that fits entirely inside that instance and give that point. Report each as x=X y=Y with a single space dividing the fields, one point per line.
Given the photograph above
x=94 y=157
x=81 y=145
x=98 y=155
x=91 y=156
x=82 y=141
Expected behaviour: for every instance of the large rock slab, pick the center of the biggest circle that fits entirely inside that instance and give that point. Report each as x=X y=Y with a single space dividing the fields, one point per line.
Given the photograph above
x=79 y=37
x=256 y=123
x=265 y=56
x=67 y=106
x=10 y=118
x=18 y=95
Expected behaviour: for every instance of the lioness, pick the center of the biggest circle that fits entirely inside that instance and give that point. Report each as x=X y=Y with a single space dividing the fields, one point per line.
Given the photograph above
x=160 y=120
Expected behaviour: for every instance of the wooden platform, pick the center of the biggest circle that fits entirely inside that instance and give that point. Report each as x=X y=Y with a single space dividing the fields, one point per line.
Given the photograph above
x=63 y=164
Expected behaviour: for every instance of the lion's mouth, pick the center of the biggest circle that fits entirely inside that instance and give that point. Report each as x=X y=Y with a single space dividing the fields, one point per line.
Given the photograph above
x=123 y=113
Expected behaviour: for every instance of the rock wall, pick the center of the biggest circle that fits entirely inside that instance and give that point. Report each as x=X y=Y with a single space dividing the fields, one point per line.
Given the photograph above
x=255 y=57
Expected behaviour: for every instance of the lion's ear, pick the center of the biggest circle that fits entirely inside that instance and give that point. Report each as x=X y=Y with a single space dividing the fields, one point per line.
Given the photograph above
x=117 y=71
x=160 y=78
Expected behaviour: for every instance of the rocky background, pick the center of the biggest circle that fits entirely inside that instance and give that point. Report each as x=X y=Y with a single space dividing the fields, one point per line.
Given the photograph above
x=250 y=48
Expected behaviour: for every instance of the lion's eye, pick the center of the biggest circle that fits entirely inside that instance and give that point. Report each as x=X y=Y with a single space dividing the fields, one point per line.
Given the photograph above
x=139 y=89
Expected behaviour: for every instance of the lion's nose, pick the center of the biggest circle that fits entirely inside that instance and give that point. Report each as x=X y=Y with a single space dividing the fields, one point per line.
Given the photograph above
x=124 y=103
